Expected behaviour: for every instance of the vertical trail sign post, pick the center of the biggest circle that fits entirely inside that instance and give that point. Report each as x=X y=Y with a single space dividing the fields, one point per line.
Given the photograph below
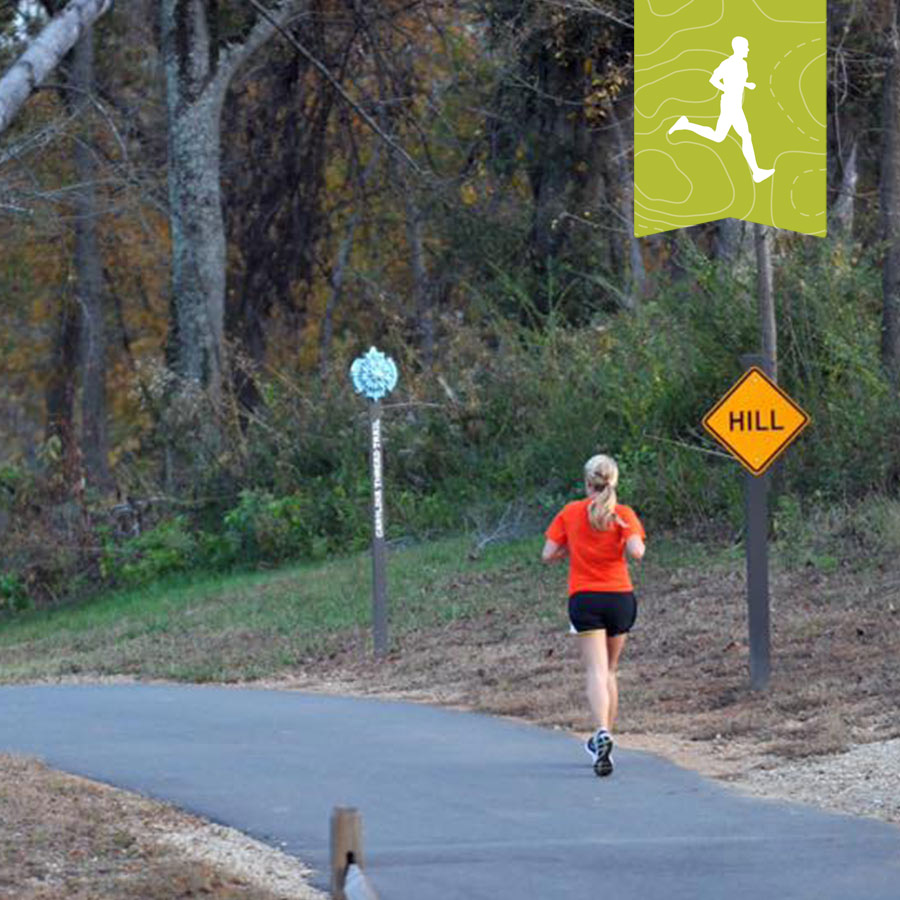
x=374 y=375
x=756 y=421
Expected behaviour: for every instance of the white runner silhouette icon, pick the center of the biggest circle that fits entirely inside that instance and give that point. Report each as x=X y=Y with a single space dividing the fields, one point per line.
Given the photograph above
x=730 y=77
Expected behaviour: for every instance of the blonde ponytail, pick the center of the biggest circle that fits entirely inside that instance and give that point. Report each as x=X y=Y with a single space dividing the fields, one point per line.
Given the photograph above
x=601 y=474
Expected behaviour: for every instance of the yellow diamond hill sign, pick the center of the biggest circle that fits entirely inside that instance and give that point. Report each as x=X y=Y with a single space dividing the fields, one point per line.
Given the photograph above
x=755 y=421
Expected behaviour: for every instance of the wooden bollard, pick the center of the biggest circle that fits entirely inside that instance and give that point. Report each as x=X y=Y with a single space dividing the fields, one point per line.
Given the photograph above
x=346 y=838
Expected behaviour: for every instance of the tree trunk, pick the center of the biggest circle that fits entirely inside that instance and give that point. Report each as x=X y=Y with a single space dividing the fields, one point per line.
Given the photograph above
x=277 y=116
x=194 y=103
x=424 y=314
x=551 y=163
x=198 y=243
x=590 y=200
x=844 y=206
x=890 y=210
x=61 y=384
x=728 y=239
x=197 y=72
x=89 y=276
x=326 y=330
x=44 y=54
x=766 y=297
x=340 y=266
x=637 y=274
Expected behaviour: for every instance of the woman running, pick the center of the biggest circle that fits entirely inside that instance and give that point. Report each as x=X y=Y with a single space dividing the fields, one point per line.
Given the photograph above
x=595 y=535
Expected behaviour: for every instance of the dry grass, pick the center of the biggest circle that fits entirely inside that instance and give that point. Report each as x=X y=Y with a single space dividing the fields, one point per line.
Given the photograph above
x=835 y=646
x=65 y=838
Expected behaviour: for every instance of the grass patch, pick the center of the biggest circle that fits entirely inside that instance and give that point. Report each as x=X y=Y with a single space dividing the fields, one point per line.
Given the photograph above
x=824 y=537
x=253 y=625
x=489 y=632
x=250 y=625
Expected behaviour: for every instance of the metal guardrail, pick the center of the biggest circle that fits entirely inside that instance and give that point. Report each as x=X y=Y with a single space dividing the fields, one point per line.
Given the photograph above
x=348 y=878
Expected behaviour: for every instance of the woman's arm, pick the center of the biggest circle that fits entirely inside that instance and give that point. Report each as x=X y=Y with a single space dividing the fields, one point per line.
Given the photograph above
x=635 y=543
x=635 y=547
x=553 y=552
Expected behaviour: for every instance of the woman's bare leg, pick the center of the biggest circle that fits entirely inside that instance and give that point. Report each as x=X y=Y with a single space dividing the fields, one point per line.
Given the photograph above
x=594 y=654
x=614 y=647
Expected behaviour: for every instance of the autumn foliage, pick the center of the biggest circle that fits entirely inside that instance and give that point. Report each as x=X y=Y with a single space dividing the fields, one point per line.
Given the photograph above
x=450 y=182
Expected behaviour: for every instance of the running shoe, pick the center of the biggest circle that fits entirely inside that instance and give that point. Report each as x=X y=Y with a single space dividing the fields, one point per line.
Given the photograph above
x=603 y=744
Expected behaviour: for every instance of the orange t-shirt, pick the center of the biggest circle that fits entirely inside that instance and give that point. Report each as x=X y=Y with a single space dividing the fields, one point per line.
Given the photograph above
x=596 y=558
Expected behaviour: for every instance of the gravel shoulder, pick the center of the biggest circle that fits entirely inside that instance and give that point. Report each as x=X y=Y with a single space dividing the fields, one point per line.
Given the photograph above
x=864 y=781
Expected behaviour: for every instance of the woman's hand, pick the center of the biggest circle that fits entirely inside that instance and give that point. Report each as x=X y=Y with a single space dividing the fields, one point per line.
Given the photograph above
x=553 y=551
x=635 y=547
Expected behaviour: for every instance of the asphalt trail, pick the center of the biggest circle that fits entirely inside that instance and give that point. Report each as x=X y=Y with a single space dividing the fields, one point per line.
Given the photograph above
x=454 y=805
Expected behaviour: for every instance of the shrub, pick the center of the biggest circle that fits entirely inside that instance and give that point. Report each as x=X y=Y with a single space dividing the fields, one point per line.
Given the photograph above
x=13 y=594
x=265 y=528
x=168 y=548
x=504 y=420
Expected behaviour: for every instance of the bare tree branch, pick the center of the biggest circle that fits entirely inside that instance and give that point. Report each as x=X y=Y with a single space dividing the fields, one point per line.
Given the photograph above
x=338 y=87
x=593 y=9
x=235 y=55
x=44 y=54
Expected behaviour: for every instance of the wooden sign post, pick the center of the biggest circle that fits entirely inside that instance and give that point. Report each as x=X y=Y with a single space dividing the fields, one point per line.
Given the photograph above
x=379 y=560
x=756 y=547
x=755 y=421
x=375 y=375
x=346 y=845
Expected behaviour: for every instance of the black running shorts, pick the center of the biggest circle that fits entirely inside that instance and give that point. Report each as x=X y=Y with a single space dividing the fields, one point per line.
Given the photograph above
x=613 y=611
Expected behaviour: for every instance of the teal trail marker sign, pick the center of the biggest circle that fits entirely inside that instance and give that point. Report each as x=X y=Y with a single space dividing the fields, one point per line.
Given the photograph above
x=374 y=375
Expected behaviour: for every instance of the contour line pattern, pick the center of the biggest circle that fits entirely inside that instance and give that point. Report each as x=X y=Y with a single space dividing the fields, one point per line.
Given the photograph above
x=821 y=212
x=683 y=30
x=680 y=172
x=678 y=99
x=772 y=181
x=646 y=217
x=700 y=216
x=667 y=15
x=772 y=90
x=788 y=21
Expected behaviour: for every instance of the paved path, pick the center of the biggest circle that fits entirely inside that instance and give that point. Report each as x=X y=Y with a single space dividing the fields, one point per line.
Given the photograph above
x=454 y=805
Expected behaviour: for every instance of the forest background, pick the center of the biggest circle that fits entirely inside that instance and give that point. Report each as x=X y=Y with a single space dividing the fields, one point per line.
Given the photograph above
x=211 y=208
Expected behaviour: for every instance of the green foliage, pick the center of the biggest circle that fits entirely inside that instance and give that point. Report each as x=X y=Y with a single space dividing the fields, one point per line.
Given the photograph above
x=831 y=362
x=168 y=548
x=816 y=533
x=513 y=410
x=498 y=431
x=13 y=593
x=12 y=481
x=269 y=529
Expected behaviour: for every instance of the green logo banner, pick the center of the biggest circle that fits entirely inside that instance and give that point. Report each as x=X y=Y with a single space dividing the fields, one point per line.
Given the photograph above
x=729 y=113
